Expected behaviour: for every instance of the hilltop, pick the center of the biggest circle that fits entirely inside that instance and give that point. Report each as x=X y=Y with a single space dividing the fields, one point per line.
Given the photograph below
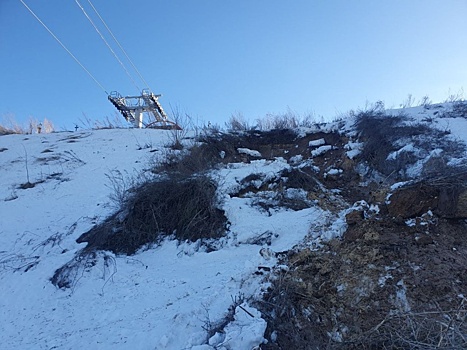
x=348 y=234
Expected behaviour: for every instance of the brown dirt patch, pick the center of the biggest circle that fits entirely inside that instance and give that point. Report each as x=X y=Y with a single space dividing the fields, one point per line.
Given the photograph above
x=382 y=272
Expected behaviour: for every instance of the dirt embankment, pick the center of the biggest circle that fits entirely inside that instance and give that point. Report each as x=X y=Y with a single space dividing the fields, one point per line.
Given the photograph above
x=397 y=278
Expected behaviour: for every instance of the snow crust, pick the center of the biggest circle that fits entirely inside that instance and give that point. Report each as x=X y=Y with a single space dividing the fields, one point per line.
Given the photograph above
x=161 y=298
x=320 y=150
x=354 y=149
x=316 y=143
x=249 y=152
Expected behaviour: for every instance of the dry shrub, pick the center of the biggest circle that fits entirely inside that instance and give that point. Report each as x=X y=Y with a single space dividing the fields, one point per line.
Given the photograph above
x=107 y=123
x=439 y=329
x=374 y=127
x=459 y=110
x=182 y=204
x=288 y=120
x=300 y=315
x=33 y=125
x=222 y=148
x=10 y=126
x=114 y=122
x=6 y=131
x=178 y=134
x=200 y=157
x=185 y=208
x=288 y=325
x=69 y=274
x=381 y=134
x=282 y=121
x=47 y=126
x=301 y=179
x=237 y=122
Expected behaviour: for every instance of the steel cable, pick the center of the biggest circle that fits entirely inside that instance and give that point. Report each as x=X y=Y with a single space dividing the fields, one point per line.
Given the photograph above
x=119 y=45
x=110 y=48
x=66 y=49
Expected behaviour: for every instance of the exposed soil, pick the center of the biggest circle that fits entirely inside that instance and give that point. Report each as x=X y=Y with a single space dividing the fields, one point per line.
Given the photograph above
x=397 y=278
x=336 y=296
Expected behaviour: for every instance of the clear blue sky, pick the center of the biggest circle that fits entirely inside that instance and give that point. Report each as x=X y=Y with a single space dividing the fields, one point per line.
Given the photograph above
x=214 y=58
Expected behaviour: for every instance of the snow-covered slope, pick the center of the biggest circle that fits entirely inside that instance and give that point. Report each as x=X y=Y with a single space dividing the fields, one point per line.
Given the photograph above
x=55 y=187
x=161 y=298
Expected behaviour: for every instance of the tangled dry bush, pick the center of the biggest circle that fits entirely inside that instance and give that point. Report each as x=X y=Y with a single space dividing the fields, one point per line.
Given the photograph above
x=459 y=109
x=6 y=131
x=288 y=120
x=382 y=135
x=202 y=156
x=439 y=329
x=237 y=122
x=185 y=208
x=181 y=203
x=378 y=288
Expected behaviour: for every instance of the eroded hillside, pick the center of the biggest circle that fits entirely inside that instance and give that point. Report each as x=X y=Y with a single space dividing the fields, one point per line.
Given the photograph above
x=387 y=267
x=343 y=235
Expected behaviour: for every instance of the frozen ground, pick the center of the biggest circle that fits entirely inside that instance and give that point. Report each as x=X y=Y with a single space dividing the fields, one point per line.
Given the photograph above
x=163 y=298
x=55 y=187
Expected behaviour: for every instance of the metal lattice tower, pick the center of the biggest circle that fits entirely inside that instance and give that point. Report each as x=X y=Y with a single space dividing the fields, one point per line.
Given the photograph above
x=133 y=108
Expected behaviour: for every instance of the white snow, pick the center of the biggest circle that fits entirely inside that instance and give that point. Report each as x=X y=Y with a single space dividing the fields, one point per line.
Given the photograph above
x=235 y=173
x=353 y=153
x=353 y=145
x=245 y=332
x=321 y=150
x=437 y=116
x=333 y=171
x=161 y=298
x=296 y=159
x=399 y=185
x=249 y=152
x=407 y=148
x=316 y=143
x=401 y=297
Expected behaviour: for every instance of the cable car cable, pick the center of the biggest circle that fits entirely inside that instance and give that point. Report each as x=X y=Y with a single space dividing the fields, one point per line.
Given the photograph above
x=62 y=45
x=106 y=43
x=119 y=45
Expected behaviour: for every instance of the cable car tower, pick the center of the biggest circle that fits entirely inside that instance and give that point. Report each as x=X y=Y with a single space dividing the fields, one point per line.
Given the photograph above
x=133 y=108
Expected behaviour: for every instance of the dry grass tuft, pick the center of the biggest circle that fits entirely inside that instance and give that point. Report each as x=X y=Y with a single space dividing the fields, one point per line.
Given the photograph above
x=183 y=208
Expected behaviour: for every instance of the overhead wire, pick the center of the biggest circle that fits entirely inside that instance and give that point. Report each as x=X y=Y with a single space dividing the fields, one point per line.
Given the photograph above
x=66 y=49
x=119 y=45
x=106 y=43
